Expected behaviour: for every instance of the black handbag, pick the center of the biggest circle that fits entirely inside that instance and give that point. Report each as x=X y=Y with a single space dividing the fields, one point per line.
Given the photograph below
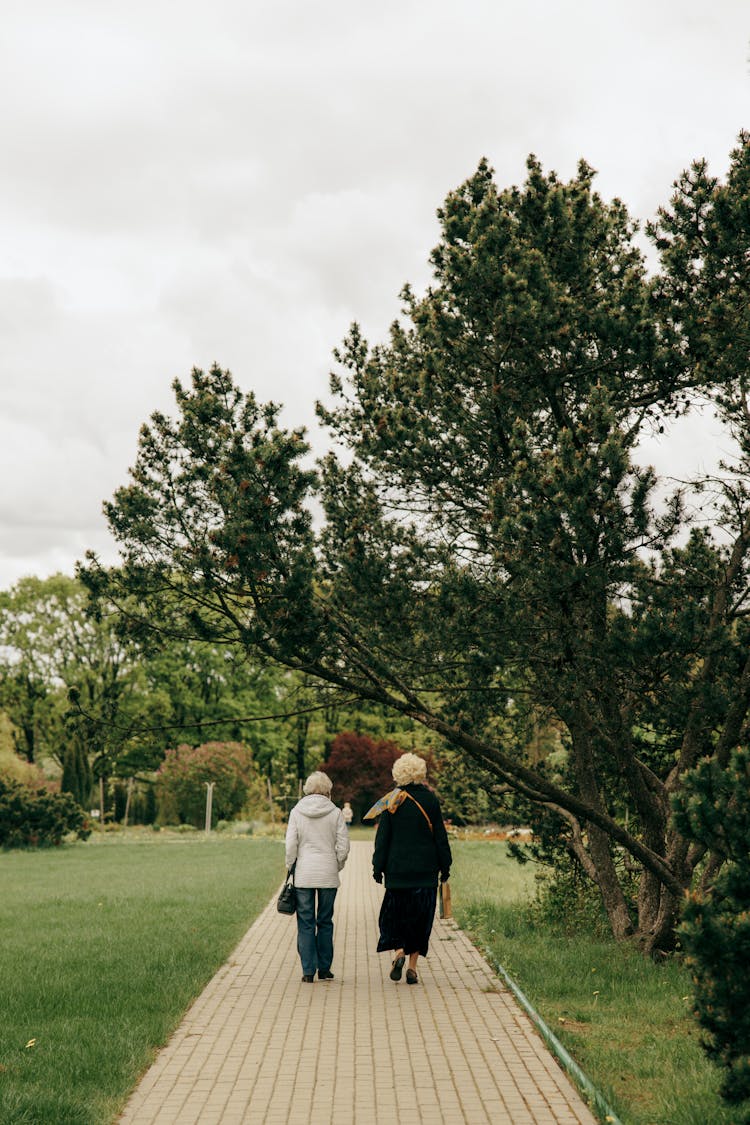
x=287 y=900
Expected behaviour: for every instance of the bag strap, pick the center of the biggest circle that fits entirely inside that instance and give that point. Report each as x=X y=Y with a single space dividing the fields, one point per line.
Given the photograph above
x=424 y=814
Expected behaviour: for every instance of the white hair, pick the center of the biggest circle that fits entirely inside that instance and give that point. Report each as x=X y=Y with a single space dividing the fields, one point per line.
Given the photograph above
x=318 y=783
x=409 y=768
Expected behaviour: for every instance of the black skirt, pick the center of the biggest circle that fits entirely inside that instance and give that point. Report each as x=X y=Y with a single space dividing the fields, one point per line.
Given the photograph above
x=406 y=918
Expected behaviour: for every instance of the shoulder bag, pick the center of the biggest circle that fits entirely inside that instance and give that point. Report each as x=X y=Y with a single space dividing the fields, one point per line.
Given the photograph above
x=286 y=903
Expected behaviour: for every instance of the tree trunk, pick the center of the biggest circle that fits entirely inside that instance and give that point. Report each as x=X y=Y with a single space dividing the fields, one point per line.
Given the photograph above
x=599 y=843
x=659 y=907
x=609 y=884
x=131 y=781
x=649 y=896
x=714 y=864
x=651 y=888
x=303 y=724
x=28 y=747
x=660 y=939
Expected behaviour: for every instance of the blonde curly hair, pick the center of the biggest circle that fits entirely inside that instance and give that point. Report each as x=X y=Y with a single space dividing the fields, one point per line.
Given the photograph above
x=409 y=768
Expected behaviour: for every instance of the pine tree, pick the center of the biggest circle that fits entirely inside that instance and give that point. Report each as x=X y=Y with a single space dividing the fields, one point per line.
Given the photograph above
x=76 y=776
x=489 y=535
x=714 y=810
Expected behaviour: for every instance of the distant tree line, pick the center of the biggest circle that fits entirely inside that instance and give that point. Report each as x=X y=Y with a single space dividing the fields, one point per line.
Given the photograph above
x=135 y=728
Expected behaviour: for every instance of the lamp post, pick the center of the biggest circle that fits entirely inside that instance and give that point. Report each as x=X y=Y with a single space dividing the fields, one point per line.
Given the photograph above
x=209 y=802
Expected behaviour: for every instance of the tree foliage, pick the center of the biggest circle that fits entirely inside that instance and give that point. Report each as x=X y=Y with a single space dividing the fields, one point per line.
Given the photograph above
x=77 y=777
x=713 y=810
x=56 y=640
x=132 y=697
x=360 y=769
x=186 y=770
x=492 y=548
x=12 y=764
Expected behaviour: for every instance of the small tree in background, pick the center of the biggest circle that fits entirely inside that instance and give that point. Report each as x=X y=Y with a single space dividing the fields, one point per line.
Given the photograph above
x=76 y=776
x=182 y=777
x=714 y=810
x=360 y=769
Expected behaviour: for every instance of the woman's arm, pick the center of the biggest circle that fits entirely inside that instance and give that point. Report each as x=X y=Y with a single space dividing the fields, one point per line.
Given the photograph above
x=442 y=845
x=342 y=840
x=292 y=839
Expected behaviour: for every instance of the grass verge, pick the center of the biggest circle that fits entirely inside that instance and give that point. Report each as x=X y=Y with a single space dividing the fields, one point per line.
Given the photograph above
x=104 y=946
x=626 y=1021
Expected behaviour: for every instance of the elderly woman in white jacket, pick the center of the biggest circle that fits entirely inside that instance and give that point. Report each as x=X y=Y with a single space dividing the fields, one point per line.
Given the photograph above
x=318 y=842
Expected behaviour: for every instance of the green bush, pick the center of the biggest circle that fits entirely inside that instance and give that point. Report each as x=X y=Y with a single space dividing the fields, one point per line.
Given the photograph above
x=182 y=777
x=37 y=817
x=568 y=902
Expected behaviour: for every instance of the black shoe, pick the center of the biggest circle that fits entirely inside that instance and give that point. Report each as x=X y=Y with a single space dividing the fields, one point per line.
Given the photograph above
x=325 y=974
x=307 y=979
x=397 y=968
x=411 y=976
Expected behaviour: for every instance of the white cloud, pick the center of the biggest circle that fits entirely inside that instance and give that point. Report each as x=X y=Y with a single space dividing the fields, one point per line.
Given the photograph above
x=237 y=182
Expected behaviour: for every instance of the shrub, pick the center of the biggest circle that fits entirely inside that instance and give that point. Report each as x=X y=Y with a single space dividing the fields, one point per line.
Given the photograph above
x=182 y=777
x=569 y=903
x=37 y=817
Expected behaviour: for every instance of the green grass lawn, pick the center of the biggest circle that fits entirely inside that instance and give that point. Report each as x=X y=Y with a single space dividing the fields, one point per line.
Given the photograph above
x=104 y=946
x=626 y=1021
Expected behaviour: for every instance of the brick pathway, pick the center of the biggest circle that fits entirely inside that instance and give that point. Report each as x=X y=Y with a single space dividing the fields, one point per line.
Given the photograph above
x=258 y=1047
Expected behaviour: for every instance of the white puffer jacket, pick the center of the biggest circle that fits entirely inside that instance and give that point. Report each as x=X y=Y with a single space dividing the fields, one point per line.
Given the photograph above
x=316 y=837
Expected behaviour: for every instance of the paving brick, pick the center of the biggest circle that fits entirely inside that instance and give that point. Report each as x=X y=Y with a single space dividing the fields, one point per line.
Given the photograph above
x=258 y=1047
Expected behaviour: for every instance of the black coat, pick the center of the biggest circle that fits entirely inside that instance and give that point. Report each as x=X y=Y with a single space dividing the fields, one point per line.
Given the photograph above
x=407 y=852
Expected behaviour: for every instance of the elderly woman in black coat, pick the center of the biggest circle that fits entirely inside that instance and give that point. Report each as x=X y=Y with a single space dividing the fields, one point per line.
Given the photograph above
x=411 y=853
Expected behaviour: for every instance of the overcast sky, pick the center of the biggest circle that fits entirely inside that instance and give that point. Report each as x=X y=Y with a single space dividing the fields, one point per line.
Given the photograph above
x=237 y=182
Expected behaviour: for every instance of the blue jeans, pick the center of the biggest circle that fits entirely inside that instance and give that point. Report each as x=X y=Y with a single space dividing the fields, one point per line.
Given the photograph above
x=315 y=930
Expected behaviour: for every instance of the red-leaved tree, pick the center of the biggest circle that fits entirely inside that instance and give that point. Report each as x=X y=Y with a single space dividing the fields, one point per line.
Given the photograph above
x=360 y=769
